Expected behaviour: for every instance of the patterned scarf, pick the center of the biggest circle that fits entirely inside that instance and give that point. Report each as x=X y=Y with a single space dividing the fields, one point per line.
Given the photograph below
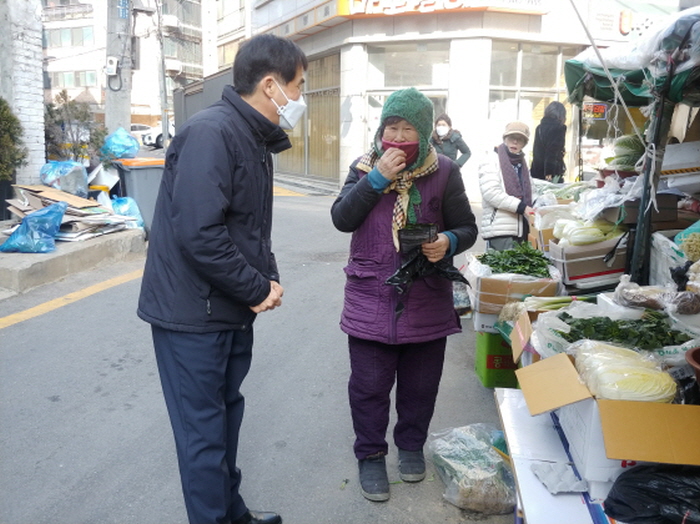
x=517 y=186
x=407 y=196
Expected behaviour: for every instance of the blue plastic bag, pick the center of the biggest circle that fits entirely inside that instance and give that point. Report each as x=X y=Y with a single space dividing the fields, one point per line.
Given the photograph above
x=67 y=176
x=128 y=207
x=120 y=144
x=37 y=231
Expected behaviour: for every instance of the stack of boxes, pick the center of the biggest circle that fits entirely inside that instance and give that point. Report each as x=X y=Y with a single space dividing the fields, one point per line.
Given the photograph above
x=601 y=263
x=494 y=363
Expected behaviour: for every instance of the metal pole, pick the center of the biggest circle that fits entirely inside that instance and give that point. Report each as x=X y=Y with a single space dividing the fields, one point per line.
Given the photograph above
x=661 y=121
x=118 y=66
x=164 y=120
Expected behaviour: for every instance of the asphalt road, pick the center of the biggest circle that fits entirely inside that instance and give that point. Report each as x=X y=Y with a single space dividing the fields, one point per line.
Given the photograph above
x=85 y=438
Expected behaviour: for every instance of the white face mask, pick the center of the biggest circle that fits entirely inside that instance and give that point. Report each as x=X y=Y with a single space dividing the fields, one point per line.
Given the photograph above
x=291 y=112
x=442 y=130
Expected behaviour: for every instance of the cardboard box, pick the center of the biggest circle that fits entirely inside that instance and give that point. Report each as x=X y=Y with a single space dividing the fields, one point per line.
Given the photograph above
x=581 y=424
x=586 y=264
x=629 y=211
x=607 y=436
x=542 y=237
x=532 y=239
x=491 y=293
x=493 y=362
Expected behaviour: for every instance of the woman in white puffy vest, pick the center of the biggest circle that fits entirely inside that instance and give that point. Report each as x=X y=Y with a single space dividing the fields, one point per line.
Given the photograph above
x=506 y=190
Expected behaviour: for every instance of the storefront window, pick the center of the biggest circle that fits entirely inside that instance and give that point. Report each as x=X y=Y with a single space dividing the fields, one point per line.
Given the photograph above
x=539 y=66
x=504 y=57
x=419 y=64
x=525 y=78
x=317 y=152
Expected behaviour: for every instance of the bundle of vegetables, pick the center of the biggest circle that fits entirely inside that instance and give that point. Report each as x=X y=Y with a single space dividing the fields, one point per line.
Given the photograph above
x=580 y=233
x=573 y=190
x=616 y=373
x=628 y=150
x=552 y=303
x=523 y=259
x=565 y=191
x=652 y=331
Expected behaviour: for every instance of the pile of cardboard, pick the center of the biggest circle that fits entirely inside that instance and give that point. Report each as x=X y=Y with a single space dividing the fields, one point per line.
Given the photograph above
x=84 y=218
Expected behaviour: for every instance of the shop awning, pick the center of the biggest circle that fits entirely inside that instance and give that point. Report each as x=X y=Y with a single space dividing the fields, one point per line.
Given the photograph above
x=637 y=87
x=677 y=42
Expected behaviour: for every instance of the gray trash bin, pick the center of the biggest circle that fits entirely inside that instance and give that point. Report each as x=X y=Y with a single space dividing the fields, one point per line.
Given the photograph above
x=140 y=180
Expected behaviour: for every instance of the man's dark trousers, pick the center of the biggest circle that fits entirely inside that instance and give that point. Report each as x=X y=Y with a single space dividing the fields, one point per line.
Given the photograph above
x=201 y=375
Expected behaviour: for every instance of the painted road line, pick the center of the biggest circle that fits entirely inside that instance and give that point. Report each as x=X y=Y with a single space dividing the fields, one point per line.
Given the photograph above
x=56 y=303
x=279 y=191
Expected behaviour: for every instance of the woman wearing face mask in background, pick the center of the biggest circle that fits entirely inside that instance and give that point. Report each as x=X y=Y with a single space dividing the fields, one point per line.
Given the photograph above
x=401 y=180
x=506 y=191
x=448 y=141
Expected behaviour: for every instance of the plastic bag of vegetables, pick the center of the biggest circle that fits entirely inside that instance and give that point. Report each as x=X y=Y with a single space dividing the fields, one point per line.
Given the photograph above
x=617 y=373
x=582 y=232
x=470 y=463
x=689 y=241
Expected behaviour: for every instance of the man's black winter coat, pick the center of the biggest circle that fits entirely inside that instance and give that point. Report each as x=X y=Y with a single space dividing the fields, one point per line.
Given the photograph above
x=209 y=254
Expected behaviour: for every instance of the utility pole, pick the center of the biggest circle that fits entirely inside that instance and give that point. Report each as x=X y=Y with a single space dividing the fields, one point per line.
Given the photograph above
x=164 y=119
x=118 y=66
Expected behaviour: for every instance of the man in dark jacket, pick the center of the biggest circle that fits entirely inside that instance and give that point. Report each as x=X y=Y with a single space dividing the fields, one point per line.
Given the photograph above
x=210 y=268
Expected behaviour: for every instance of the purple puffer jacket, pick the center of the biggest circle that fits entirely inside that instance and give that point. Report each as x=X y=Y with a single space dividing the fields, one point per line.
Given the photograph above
x=369 y=310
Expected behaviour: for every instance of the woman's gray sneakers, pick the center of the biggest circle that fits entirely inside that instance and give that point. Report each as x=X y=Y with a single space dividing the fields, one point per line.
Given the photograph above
x=374 y=482
x=411 y=465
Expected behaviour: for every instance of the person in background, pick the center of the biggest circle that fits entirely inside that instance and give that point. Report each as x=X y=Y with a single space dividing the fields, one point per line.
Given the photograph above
x=210 y=269
x=400 y=181
x=548 y=146
x=506 y=190
x=448 y=141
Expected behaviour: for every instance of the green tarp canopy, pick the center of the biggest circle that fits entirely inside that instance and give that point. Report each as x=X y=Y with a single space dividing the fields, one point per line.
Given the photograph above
x=637 y=87
x=678 y=41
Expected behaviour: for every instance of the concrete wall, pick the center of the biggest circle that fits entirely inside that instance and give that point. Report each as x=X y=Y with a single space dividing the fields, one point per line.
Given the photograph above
x=21 y=80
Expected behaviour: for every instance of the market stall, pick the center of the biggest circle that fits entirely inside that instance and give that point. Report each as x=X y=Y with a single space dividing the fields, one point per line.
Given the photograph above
x=592 y=346
x=659 y=70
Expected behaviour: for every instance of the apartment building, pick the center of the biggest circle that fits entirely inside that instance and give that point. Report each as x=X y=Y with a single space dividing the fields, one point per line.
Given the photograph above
x=75 y=43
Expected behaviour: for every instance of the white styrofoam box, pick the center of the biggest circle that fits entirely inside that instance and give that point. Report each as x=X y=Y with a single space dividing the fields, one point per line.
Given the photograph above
x=681 y=158
x=581 y=425
x=484 y=322
x=607 y=307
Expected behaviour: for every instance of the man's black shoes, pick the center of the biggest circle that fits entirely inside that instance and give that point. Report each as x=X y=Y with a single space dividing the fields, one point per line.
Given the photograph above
x=258 y=517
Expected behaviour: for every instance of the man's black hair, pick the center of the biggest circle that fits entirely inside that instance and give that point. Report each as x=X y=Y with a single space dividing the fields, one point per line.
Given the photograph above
x=263 y=55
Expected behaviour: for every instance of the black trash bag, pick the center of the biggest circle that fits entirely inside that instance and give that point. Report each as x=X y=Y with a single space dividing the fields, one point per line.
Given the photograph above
x=417 y=265
x=656 y=494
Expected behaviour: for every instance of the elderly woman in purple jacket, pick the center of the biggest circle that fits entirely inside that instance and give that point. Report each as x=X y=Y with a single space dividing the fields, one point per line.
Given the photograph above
x=394 y=336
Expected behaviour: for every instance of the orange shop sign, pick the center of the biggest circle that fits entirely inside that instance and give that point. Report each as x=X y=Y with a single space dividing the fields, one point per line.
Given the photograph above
x=594 y=110
x=398 y=7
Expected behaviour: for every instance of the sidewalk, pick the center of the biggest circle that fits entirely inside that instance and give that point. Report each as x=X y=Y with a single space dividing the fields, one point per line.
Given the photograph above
x=20 y=272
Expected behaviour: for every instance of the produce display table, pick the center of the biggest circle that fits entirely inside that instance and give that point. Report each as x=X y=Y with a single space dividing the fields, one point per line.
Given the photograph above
x=532 y=439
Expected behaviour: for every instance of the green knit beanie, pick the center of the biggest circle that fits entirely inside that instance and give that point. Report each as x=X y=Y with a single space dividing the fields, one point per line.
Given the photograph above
x=417 y=109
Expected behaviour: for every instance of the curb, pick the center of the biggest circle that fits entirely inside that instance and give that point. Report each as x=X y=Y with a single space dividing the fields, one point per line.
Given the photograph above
x=315 y=186
x=20 y=272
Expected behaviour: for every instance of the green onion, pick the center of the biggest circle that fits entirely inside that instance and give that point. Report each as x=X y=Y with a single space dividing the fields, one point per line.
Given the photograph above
x=533 y=303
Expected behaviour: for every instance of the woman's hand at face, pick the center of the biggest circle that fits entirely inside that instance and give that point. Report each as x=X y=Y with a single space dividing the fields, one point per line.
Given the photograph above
x=392 y=162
